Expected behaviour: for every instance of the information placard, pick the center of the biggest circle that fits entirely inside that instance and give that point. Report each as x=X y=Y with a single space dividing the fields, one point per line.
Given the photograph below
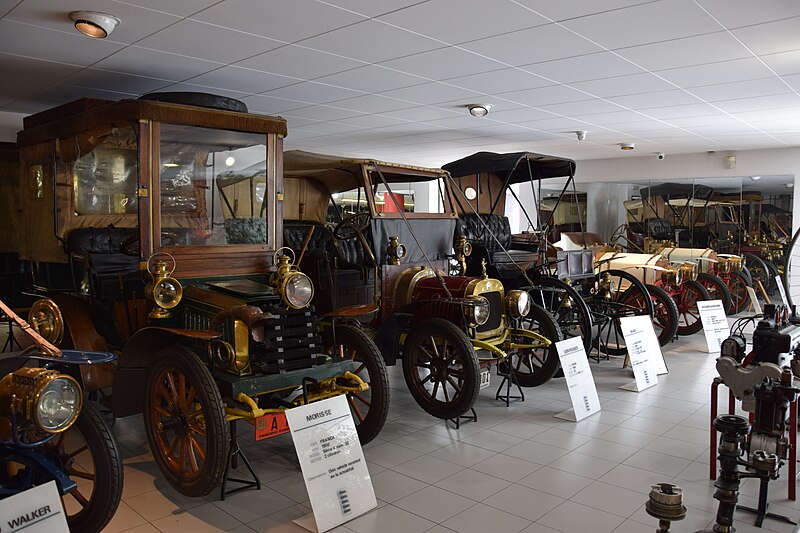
x=580 y=382
x=715 y=324
x=643 y=350
x=37 y=510
x=754 y=301
x=334 y=470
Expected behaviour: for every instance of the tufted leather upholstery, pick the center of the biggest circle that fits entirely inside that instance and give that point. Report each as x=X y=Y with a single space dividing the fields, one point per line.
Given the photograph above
x=98 y=240
x=321 y=243
x=470 y=226
x=659 y=229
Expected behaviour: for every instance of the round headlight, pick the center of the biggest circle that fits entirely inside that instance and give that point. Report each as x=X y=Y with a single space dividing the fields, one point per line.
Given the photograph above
x=58 y=404
x=401 y=251
x=297 y=290
x=478 y=311
x=518 y=303
x=167 y=293
x=467 y=250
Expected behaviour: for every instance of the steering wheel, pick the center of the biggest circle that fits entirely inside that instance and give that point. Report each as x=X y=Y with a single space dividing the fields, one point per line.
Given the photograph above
x=130 y=246
x=618 y=233
x=352 y=225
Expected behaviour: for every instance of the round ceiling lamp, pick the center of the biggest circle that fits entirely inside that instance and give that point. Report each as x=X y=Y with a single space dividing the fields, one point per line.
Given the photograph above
x=627 y=146
x=479 y=110
x=94 y=24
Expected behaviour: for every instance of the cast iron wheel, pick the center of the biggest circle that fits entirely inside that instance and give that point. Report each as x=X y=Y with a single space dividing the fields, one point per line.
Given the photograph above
x=665 y=313
x=88 y=453
x=565 y=304
x=184 y=418
x=717 y=290
x=609 y=306
x=370 y=407
x=759 y=271
x=352 y=225
x=740 y=298
x=689 y=321
x=536 y=366
x=441 y=369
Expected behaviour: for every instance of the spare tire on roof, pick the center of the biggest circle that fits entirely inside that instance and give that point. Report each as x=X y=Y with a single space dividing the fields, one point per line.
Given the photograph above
x=212 y=101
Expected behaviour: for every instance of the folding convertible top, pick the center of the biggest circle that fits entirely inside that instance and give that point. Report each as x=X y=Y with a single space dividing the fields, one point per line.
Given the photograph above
x=688 y=190
x=542 y=166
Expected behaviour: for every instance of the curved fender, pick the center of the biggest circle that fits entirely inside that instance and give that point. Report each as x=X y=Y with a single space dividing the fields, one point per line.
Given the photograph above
x=131 y=375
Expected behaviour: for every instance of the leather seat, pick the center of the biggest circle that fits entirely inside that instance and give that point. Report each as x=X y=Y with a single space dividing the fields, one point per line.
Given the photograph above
x=349 y=253
x=659 y=229
x=95 y=254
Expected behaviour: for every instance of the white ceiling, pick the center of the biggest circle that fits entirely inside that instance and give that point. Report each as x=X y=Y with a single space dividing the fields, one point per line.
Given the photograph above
x=390 y=78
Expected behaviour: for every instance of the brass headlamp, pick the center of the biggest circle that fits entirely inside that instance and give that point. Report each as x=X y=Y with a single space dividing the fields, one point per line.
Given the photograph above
x=164 y=291
x=47 y=399
x=395 y=250
x=295 y=288
x=690 y=270
x=463 y=250
x=672 y=276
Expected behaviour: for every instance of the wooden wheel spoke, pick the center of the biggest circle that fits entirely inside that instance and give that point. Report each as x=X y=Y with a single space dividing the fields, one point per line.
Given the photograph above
x=427 y=353
x=190 y=396
x=446 y=392
x=80 y=474
x=160 y=410
x=164 y=394
x=78 y=451
x=435 y=347
x=197 y=429
x=171 y=448
x=455 y=385
x=176 y=401
x=182 y=453
x=182 y=391
x=361 y=367
x=362 y=399
x=435 y=389
x=355 y=408
x=81 y=499
x=427 y=379
x=422 y=365
x=190 y=452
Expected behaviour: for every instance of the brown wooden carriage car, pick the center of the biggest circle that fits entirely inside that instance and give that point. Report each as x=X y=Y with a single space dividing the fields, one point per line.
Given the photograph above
x=156 y=225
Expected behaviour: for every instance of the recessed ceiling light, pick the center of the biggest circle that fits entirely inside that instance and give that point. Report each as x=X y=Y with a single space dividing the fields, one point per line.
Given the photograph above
x=627 y=146
x=581 y=135
x=755 y=178
x=479 y=110
x=229 y=161
x=94 y=24
x=789 y=185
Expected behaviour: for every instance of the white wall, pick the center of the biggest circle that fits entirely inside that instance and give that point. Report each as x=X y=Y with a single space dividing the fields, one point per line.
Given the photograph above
x=10 y=124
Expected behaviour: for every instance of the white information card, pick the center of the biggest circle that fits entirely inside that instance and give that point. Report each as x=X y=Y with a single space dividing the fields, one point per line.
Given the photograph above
x=754 y=301
x=580 y=382
x=781 y=289
x=37 y=510
x=333 y=465
x=715 y=324
x=644 y=352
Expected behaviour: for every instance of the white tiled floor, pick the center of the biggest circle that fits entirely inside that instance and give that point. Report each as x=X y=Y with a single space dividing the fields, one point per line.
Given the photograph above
x=516 y=469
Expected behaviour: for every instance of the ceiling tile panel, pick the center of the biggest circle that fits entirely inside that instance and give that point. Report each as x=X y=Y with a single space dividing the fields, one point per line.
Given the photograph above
x=322 y=113
x=372 y=41
x=500 y=81
x=584 y=107
x=371 y=103
x=420 y=113
x=299 y=62
x=735 y=13
x=191 y=87
x=372 y=8
x=373 y=79
x=520 y=114
x=741 y=89
x=791 y=100
x=611 y=119
x=276 y=19
x=771 y=37
x=679 y=111
x=586 y=67
x=273 y=106
x=115 y=81
x=556 y=124
x=372 y=121
x=443 y=63
x=623 y=85
x=182 y=8
x=150 y=63
x=749 y=68
x=243 y=79
x=433 y=93
x=15 y=67
x=784 y=63
x=136 y=22
x=51 y=45
x=532 y=46
x=697 y=50
x=645 y=23
x=543 y=96
x=209 y=42
x=567 y=9
x=474 y=20
x=313 y=92
x=656 y=99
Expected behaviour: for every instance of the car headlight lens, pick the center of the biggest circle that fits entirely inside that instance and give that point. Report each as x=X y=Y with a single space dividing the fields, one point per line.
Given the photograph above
x=477 y=311
x=297 y=290
x=167 y=293
x=58 y=404
x=518 y=303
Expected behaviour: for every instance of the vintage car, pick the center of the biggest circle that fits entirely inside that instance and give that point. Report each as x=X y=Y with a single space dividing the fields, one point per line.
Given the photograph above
x=387 y=259
x=131 y=220
x=587 y=297
x=47 y=432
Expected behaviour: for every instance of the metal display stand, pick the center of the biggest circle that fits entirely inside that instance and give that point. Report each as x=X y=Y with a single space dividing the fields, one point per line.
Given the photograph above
x=473 y=417
x=234 y=454
x=508 y=378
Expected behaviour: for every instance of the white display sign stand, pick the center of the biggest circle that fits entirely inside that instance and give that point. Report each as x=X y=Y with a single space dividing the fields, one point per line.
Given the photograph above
x=644 y=352
x=715 y=324
x=781 y=290
x=333 y=465
x=37 y=510
x=580 y=382
x=754 y=301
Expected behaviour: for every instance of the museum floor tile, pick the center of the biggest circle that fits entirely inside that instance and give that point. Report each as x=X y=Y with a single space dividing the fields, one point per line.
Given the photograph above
x=517 y=469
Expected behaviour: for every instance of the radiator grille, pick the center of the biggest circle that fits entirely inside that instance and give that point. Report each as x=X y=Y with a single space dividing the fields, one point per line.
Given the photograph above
x=292 y=341
x=495 y=311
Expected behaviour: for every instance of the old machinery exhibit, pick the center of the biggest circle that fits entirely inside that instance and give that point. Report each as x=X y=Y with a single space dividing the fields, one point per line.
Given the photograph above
x=373 y=267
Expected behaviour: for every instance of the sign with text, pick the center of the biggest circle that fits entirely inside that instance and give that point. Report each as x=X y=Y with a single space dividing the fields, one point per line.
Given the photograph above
x=580 y=382
x=271 y=425
x=754 y=301
x=333 y=465
x=37 y=510
x=643 y=350
x=715 y=324
x=781 y=289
